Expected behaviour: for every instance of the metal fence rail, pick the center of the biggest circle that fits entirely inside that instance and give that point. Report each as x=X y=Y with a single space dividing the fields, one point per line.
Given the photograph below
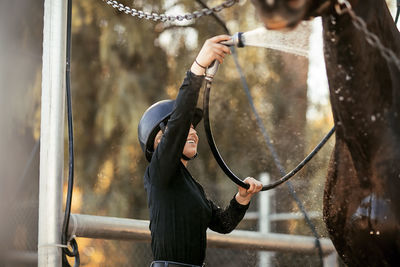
x=138 y=230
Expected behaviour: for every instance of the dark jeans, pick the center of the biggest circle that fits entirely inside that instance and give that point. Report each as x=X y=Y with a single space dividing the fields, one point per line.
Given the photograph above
x=172 y=264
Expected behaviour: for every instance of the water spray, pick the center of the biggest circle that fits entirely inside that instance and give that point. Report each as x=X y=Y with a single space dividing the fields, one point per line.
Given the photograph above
x=294 y=42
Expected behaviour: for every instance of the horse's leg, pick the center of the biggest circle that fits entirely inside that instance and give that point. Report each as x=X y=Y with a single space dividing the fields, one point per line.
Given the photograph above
x=337 y=190
x=360 y=220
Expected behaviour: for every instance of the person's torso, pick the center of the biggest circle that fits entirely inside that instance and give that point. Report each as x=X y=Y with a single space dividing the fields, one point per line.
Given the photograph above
x=179 y=218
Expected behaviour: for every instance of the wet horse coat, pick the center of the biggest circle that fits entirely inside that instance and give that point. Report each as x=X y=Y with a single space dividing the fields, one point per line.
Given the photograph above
x=362 y=191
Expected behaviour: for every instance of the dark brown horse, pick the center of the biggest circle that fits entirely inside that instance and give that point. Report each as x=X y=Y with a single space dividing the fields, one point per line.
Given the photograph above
x=362 y=192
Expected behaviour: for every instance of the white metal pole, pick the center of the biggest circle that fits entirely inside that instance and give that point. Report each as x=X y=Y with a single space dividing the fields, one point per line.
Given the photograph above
x=331 y=260
x=52 y=133
x=264 y=220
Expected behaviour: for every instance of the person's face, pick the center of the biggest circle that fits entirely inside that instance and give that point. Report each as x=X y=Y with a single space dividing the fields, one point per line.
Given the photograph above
x=192 y=140
x=190 y=148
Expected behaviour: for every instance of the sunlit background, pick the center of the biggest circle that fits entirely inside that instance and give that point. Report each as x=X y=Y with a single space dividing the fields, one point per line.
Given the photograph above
x=120 y=66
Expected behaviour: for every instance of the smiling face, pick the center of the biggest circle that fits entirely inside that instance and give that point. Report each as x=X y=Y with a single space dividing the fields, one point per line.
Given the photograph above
x=192 y=141
x=190 y=149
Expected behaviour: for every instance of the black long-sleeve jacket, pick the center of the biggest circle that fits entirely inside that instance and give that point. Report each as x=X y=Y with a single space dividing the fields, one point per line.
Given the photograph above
x=180 y=213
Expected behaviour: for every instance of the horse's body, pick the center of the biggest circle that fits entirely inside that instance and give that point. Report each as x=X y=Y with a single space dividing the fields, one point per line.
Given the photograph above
x=362 y=192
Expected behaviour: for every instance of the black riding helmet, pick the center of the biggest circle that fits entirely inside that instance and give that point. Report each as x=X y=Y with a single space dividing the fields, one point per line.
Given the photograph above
x=156 y=115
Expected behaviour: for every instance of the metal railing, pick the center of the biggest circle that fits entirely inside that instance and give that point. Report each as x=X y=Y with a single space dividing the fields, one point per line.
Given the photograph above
x=103 y=227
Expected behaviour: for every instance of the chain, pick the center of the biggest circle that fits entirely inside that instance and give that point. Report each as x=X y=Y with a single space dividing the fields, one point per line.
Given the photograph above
x=344 y=6
x=164 y=17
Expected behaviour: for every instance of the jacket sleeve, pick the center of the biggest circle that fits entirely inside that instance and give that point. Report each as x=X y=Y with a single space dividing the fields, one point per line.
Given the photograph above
x=167 y=157
x=224 y=221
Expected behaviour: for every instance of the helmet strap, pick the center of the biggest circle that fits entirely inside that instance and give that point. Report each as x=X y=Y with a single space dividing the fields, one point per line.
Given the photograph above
x=162 y=126
x=187 y=158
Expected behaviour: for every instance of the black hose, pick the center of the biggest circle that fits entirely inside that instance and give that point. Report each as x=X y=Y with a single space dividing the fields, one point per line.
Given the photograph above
x=225 y=168
x=67 y=213
x=211 y=142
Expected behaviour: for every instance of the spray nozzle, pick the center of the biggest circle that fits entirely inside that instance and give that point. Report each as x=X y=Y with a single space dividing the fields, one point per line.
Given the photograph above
x=236 y=40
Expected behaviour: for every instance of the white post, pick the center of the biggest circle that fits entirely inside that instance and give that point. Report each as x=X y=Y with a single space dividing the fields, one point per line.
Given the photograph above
x=264 y=220
x=52 y=133
x=331 y=260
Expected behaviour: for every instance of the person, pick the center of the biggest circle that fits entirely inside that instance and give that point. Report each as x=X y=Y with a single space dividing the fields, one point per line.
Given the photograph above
x=180 y=212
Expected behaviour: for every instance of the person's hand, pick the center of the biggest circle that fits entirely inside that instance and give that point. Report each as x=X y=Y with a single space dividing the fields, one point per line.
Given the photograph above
x=211 y=50
x=244 y=195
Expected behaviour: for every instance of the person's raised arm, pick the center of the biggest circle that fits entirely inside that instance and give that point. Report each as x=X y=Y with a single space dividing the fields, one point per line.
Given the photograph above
x=169 y=150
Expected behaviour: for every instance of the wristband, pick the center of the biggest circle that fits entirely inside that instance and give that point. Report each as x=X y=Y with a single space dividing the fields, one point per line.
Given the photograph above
x=201 y=66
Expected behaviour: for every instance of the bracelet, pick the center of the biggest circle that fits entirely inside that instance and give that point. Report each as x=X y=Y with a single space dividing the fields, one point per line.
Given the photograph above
x=201 y=66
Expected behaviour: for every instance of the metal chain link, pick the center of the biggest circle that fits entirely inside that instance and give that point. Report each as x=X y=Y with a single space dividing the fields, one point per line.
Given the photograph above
x=164 y=17
x=344 y=6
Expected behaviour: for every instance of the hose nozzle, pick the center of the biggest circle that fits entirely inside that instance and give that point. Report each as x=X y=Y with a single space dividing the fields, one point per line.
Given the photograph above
x=236 y=40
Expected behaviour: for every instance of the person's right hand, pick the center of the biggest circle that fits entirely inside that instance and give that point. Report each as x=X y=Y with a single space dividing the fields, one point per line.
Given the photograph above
x=211 y=50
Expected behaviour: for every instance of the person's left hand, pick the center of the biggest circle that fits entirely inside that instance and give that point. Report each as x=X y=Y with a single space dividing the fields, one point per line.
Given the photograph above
x=244 y=195
x=211 y=50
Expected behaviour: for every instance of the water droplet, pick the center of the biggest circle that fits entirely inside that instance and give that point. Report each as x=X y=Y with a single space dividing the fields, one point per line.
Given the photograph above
x=371 y=232
x=341 y=98
x=337 y=91
x=352 y=117
x=378 y=233
x=333 y=40
x=348 y=78
x=373 y=118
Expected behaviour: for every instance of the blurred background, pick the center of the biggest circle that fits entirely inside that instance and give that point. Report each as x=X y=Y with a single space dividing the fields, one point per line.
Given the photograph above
x=120 y=66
